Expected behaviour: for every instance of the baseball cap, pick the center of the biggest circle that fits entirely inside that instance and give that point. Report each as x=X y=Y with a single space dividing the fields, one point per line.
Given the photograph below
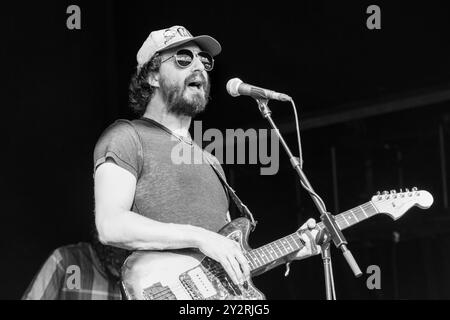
x=172 y=37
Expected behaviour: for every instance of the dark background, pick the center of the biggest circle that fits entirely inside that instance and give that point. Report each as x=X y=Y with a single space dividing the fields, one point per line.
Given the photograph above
x=376 y=99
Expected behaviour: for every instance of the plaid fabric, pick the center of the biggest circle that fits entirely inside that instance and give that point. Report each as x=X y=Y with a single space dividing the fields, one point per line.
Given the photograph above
x=73 y=272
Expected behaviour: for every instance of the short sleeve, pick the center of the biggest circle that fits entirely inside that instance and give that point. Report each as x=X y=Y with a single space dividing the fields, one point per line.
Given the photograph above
x=120 y=142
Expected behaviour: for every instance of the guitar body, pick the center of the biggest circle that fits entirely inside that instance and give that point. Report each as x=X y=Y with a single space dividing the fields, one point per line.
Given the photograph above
x=186 y=274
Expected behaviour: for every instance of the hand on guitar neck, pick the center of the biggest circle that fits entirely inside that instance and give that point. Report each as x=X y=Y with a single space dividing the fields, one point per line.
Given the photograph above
x=308 y=233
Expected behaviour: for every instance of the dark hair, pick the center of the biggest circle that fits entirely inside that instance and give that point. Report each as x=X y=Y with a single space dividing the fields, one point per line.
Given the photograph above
x=111 y=258
x=140 y=91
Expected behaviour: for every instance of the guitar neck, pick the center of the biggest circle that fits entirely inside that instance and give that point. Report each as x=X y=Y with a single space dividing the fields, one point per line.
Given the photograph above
x=274 y=251
x=353 y=216
x=265 y=255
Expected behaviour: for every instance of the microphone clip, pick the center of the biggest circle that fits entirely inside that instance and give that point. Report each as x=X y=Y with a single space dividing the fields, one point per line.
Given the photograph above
x=263 y=105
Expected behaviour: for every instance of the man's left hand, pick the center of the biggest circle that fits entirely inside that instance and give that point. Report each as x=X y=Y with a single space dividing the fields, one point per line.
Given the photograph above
x=310 y=248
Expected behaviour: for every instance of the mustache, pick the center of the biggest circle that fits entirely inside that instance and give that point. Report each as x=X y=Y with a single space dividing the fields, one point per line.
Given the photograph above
x=197 y=77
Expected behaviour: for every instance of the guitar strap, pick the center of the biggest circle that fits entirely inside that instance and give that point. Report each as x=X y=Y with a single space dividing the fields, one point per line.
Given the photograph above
x=243 y=209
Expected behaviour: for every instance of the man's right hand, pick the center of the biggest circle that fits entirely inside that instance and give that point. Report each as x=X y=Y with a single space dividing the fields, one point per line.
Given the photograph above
x=228 y=253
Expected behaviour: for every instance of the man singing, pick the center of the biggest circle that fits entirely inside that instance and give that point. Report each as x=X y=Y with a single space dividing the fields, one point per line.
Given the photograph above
x=143 y=200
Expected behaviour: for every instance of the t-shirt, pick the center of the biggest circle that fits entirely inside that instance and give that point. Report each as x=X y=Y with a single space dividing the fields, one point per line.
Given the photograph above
x=172 y=185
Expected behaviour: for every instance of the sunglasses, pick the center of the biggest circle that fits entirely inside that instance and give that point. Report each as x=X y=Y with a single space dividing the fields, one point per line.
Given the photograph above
x=185 y=57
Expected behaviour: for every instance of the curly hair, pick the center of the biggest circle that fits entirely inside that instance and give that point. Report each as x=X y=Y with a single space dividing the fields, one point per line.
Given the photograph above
x=140 y=91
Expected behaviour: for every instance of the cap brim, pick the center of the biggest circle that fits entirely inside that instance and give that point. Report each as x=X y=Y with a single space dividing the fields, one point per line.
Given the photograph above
x=206 y=43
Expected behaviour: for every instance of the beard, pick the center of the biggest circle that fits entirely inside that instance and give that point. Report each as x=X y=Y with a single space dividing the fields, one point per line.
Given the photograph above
x=180 y=102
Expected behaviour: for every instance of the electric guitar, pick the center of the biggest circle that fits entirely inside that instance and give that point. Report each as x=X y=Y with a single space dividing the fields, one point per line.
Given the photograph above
x=189 y=275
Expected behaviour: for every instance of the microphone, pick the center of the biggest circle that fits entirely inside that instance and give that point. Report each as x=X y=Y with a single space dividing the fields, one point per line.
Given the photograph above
x=236 y=87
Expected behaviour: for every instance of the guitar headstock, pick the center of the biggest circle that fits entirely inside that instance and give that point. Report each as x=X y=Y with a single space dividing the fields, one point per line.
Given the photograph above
x=396 y=204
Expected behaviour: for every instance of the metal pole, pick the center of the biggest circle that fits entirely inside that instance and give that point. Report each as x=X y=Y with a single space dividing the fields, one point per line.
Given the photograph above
x=443 y=166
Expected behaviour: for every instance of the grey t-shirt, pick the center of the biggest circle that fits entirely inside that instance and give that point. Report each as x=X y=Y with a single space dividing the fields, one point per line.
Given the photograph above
x=166 y=190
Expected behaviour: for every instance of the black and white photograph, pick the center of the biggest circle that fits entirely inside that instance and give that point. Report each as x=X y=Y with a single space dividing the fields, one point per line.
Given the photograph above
x=247 y=152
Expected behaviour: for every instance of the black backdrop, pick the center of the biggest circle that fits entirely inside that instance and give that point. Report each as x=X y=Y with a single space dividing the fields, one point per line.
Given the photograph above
x=62 y=87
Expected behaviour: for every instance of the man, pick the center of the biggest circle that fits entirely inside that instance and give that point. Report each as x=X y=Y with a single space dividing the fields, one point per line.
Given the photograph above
x=143 y=201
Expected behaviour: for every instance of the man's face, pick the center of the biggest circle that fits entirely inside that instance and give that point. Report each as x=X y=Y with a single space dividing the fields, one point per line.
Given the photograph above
x=185 y=90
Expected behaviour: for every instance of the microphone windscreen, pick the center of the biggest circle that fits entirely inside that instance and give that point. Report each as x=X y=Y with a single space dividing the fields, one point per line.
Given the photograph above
x=233 y=87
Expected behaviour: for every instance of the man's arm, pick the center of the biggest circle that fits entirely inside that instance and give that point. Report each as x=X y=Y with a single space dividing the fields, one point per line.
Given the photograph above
x=118 y=226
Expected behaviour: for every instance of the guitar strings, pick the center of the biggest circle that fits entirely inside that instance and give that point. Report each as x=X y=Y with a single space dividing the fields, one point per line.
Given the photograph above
x=358 y=213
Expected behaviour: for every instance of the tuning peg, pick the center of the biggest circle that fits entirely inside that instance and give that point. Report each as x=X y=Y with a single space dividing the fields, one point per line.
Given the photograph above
x=378 y=193
x=415 y=189
x=385 y=192
x=393 y=192
x=410 y=192
x=406 y=190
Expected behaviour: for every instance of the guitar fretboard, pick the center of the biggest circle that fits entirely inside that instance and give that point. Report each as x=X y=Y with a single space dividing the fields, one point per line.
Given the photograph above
x=273 y=251
x=265 y=255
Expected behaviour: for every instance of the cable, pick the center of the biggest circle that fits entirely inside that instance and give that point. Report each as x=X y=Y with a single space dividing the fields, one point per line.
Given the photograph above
x=297 y=127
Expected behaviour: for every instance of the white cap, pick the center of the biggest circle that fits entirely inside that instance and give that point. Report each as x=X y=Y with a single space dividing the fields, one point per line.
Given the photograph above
x=173 y=37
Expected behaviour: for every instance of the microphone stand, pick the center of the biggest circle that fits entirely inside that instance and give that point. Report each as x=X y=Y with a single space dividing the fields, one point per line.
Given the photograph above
x=332 y=230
